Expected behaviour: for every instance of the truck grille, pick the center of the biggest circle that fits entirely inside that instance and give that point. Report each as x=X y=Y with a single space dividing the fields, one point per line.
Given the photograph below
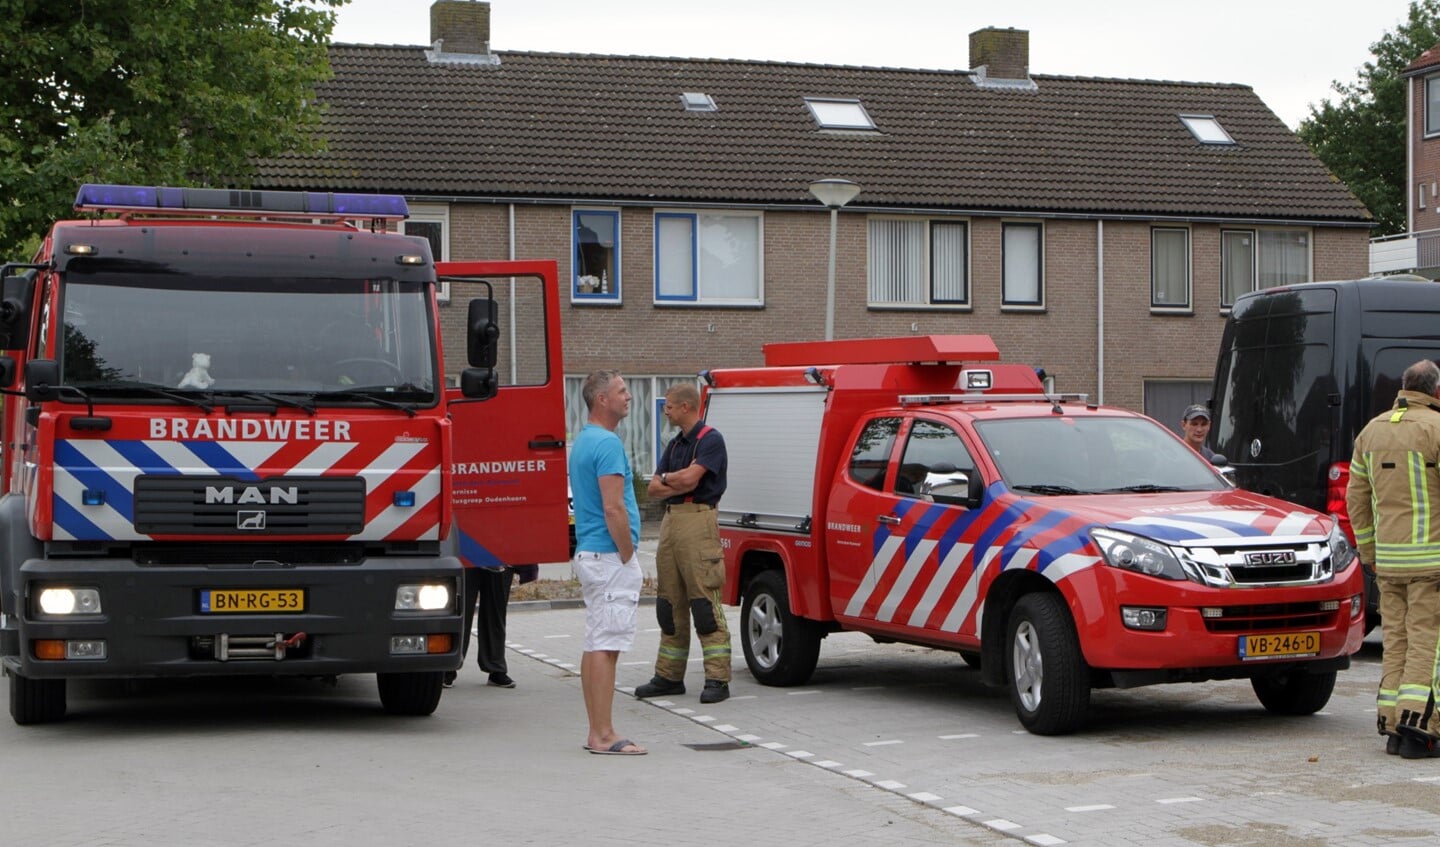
x=1262 y=564
x=184 y=505
x=1271 y=617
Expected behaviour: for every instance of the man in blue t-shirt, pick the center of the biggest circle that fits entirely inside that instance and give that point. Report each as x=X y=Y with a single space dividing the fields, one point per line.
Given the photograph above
x=607 y=532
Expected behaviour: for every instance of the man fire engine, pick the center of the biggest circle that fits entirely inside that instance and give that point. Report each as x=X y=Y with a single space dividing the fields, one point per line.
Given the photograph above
x=884 y=486
x=229 y=448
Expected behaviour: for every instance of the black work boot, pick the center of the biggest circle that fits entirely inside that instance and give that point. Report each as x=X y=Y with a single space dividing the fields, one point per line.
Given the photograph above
x=1415 y=744
x=1392 y=744
x=659 y=686
x=715 y=691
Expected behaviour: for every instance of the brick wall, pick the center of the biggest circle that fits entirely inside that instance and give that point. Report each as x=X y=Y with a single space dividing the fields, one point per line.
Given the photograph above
x=641 y=338
x=1426 y=166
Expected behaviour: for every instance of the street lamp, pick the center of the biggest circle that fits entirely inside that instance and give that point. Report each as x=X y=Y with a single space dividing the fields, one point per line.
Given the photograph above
x=834 y=193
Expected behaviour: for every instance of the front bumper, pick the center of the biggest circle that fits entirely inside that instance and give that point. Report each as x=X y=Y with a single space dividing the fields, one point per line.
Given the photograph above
x=152 y=623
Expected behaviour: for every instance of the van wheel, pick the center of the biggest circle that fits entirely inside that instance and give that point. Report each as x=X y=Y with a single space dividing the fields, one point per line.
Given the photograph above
x=35 y=701
x=414 y=694
x=1049 y=681
x=1294 y=692
x=780 y=648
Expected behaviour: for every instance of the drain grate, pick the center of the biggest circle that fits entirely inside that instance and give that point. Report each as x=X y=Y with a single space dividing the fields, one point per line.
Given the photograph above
x=720 y=745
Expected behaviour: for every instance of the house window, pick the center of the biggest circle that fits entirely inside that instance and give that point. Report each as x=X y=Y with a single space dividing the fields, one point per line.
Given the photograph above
x=1022 y=263
x=596 y=275
x=1206 y=129
x=1253 y=259
x=708 y=258
x=1420 y=196
x=839 y=114
x=432 y=223
x=918 y=262
x=1169 y=268
x=1432 y=105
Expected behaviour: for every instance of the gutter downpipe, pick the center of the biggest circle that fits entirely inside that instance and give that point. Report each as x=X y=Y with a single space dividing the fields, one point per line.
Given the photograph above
x=514 y=348
x=1100 y=312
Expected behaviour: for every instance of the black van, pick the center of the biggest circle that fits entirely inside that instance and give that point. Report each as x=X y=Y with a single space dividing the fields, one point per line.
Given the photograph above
x=1302 y=369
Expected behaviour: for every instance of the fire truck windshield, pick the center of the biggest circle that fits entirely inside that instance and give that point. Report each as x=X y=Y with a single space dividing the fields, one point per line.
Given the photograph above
x=1098 y=454
x=235 y=334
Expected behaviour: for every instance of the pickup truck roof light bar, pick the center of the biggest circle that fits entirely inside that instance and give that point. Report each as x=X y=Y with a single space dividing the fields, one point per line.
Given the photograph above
x=937 y=399
x=226 y=201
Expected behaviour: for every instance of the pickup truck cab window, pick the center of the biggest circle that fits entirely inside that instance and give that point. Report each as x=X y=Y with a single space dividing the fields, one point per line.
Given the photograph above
x=871 y=455
x=933 y=453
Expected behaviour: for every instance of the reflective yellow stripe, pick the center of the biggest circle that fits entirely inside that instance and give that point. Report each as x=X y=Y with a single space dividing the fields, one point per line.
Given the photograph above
x=1396 y=415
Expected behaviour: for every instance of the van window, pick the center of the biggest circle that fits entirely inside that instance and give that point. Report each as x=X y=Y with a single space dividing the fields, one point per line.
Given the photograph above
x=1389 y=364
x=1276 y=371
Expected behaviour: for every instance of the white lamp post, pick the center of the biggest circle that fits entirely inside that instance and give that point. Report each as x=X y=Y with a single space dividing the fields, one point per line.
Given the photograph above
x=834 y=193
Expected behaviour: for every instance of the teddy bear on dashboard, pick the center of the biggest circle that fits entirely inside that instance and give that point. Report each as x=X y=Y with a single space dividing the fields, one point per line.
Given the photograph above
x=199 y=374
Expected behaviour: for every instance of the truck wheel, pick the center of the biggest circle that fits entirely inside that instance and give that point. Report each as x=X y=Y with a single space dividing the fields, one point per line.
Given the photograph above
x=36 y=700
x=410 y=693
x=1294 y=692
x=780 y=648
x=1049 y=681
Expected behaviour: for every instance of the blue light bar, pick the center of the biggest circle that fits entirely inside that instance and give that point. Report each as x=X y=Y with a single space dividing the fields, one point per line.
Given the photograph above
x=220 y=201
x=405 y=499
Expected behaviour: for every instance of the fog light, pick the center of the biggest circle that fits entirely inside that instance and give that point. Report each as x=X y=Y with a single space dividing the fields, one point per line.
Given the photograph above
x=84 y=649
x=428 y=597
x=1329 y=605
x=1212 y=612
x=70 y=601
x=1357 y=605
x=407 y=644
x=1139 y=617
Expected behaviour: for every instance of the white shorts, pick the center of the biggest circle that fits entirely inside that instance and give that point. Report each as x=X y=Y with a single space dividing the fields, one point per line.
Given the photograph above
x=612 y=594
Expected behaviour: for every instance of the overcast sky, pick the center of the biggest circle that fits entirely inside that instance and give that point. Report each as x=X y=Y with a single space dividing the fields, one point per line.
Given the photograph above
x=1288 y=51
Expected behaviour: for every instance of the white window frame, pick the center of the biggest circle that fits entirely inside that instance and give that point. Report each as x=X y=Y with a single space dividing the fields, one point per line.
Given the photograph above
x=828 y=113
x=697 y=297
x=577 y=296
x=434 y=213
x=1255 y=258
x=926 y=269
x=1184 y=305
x=1207 y=129
x=1007 y=303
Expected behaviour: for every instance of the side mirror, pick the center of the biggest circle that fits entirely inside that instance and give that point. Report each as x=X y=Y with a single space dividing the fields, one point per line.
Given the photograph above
x=957 y=488
x=7 y=371
x=15 y=294
x=479 y=383
x=42 y=380
x=482 y=339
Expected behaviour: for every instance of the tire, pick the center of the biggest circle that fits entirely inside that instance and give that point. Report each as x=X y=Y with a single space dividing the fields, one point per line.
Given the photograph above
x=35 y=701
x=1048 y=679
x=780 y=648
x=414 y=694
x=1294 y=692
x=971 y=658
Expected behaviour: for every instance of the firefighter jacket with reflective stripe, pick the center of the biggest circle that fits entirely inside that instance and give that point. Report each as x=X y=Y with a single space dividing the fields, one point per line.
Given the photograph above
x=1394 y=491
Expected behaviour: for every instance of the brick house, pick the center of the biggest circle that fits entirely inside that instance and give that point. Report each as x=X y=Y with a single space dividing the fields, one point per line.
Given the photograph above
x=1095 y=227
x=1417 y=250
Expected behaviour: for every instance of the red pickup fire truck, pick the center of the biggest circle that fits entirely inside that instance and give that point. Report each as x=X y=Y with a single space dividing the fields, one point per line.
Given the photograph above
x=230 y=449
x=893 y=487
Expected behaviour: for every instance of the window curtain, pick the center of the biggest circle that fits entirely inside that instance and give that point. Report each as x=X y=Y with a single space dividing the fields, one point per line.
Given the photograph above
x=948 y=276
x=1169 y=266
x=897 y=261
x=1284 y=257
x=729 y=257
x=1237 y=265
x=675 y=266
x=1022 y=263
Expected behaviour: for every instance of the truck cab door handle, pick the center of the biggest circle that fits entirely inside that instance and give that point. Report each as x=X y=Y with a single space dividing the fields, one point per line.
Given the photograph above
x=889 y=520
x=553 y=444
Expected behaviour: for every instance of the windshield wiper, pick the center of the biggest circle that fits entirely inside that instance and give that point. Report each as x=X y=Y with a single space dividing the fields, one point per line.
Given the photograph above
x=366 y=395
x=1043 y=488
x=205 y=401
x=1145 y=488
x=271 y=397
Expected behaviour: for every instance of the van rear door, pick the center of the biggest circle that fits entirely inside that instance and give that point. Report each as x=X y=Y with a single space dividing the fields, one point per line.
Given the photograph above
x=1276 y=399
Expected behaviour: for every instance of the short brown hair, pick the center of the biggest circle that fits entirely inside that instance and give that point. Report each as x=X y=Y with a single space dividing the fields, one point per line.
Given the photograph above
x=596 y=384
x=683 y=392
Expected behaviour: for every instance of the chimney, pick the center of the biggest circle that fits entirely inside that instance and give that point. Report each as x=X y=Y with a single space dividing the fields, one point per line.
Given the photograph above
x=1003 y=53
x=460 y=26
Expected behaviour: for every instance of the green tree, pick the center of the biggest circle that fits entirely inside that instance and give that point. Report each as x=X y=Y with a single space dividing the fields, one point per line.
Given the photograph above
x=1361 y=137
x=181 y=92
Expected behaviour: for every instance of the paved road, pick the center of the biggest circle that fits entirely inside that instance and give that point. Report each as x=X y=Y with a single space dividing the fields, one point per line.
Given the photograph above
x=887 y=745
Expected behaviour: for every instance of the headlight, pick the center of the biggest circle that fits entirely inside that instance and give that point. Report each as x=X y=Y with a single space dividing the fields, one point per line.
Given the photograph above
x=70 y=601
x=1135 y=553
x=1341 y=552
x=428 y=597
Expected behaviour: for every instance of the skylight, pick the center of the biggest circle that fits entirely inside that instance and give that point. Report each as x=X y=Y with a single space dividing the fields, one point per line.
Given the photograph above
x=839 y=114
x=696 y=101
x=1206 y=129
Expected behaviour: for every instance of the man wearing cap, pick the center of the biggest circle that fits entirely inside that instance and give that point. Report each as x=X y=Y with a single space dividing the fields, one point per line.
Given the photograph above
x=1195 y=424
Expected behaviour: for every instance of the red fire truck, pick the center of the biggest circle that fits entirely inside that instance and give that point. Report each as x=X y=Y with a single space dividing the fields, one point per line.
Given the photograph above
x=894 y=487
x=230 y=448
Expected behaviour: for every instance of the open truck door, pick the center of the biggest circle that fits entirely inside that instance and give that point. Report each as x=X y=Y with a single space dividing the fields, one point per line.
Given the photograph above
x=508 y=463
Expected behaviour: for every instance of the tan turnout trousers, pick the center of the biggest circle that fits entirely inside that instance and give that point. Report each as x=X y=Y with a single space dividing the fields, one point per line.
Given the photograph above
x=690 y=571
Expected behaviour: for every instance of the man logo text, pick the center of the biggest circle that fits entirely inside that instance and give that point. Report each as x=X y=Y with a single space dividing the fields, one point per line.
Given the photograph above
x=251 y=494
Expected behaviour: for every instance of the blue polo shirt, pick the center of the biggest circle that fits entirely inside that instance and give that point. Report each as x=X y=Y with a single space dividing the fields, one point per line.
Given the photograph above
x=599 y=452
x=703 y=444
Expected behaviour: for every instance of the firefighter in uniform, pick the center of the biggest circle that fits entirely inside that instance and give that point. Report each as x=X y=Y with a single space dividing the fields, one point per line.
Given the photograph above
x=689 y=566
x=1394 y=503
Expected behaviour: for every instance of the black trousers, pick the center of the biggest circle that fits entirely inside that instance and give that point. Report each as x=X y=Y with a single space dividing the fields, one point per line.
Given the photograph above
x=489 y=591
